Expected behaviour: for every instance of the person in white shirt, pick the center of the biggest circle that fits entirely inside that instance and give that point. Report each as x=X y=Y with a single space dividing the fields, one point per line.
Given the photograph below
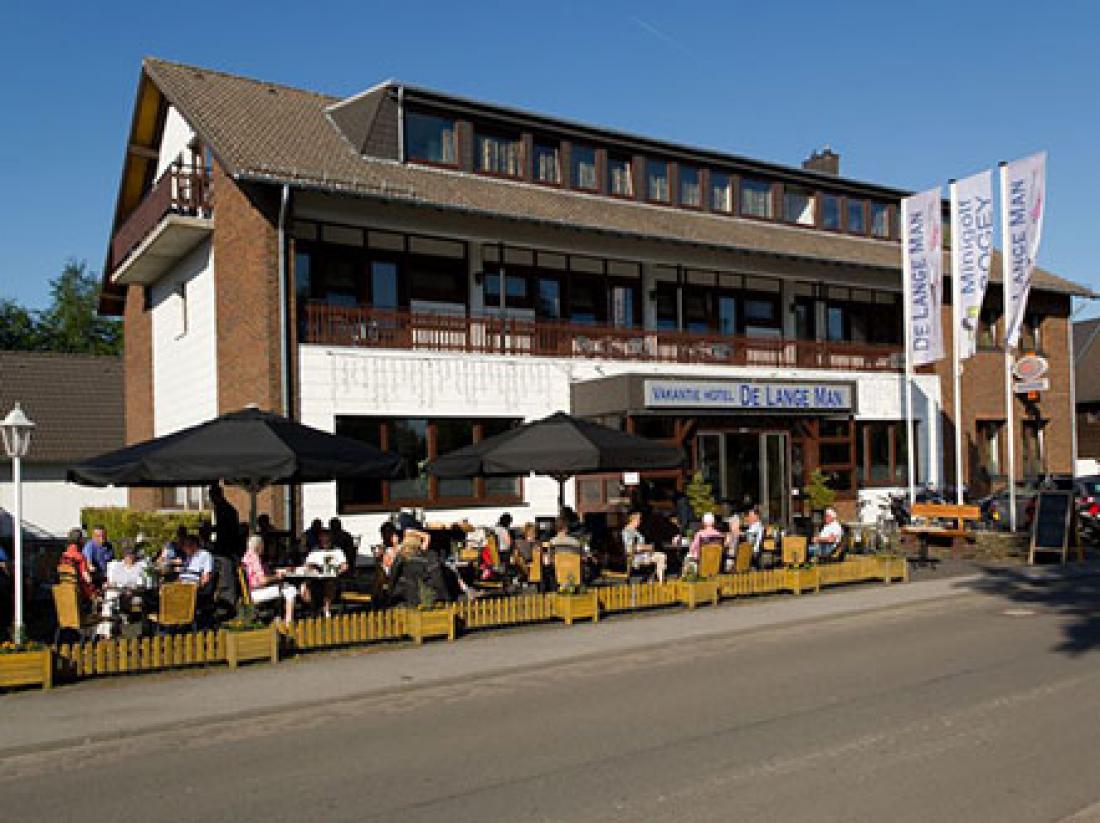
x=829 y=537
x=754 y=532
x=638 y=551
x=127 y=573
x=330 y=562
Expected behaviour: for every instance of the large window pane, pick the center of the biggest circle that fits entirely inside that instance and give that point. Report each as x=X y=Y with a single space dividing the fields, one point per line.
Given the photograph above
x=835 y=454
x=383 y=284
x=624 y=299
x=549 y=300
x=583 y=162
x=500 y=486
x=359 y=492
x=878 y=453
x=798 y=205
x=657 y=180
x=620 y=179
x=857 y=224
x=438 y=280
x=690 y=194
x=547 y=163
x=727 y=314
x=409 y=439
x=834 y=324
x=756 y=198
x=830 y=211
x=499 y=155
x=587 y=300
x=451 y=434
x=880 y=220
x=697 y=314
x=666 y=306
x=302 y=283
x=430 y=138
x=721 y=192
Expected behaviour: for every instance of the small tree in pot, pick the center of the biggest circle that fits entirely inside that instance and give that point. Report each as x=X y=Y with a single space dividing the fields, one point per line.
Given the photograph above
x=820 y=495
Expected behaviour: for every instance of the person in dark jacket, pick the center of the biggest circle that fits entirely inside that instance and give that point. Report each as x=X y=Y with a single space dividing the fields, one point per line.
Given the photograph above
x=227 y=526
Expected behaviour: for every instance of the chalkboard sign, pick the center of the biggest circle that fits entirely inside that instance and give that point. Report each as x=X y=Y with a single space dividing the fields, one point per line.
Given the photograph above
x=1050 y=529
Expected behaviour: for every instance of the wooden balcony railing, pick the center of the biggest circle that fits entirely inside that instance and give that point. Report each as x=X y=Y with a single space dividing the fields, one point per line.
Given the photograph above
x=390 y=329
x=180 y=190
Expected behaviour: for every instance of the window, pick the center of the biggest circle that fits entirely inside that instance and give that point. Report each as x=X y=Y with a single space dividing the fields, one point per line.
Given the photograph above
x=583 y=162
x=437 y=279
x=302 y=281
x=721 y=192
x=830 y=212
x=805 y=319
x=690 y=194
x=668 y=315
x=656 y=175
x=188 y=498
x=857 y=221
x=383 y=284
x=499 y=155
x=338 y=280
x=835 y=453
x=624 y=304
x=587 y=299
x=756 y=198
x=620 y=180
x=880 y=220
x=547 y=163
x=989 y=446
x=1032 y=431
x=834 y=324
x=549 y=298
x=881 y=457
x=798 y=205
x=417 y=440
x=697 y=311
x=761 y=315
x=727 y=314
x=1030 y=338
x=988 y=321
x=431 y=139
x=515 y=284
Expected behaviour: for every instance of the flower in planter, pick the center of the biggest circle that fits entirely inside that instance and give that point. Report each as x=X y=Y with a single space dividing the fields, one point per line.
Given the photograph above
x=11 y=647
x=245 y=621
x=571 y=587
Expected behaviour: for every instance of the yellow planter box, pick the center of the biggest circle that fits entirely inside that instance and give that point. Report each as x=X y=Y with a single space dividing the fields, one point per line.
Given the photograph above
x=696 y=592
x=27 y=669
x=421 y=623
x=892 y=568
x=800 y=580
x=254 y=644
x=570 y=607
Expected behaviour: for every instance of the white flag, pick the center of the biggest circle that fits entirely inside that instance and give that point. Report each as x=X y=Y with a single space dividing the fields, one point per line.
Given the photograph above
x=922 y=275
x=1023 y=192
x=972 y=251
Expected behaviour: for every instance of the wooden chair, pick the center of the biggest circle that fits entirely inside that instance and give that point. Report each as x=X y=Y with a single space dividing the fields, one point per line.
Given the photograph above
x=242 y=584
x=177 y=606
x=794 y=549
x=354 y=595
x=66 y=604
x=567 y=568
x=534 y=572
x=710 y=559
x=742 y=559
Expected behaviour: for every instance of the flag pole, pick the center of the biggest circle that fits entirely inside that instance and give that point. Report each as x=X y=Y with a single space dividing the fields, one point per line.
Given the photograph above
x=907 y=311
x=956 y=337
x=1010 y=424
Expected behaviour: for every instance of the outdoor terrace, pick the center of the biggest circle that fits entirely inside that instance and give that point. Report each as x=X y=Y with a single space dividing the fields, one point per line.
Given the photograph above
x=363 y=326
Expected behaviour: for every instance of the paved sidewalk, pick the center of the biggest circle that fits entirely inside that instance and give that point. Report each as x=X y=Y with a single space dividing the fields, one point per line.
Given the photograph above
x=123 y=707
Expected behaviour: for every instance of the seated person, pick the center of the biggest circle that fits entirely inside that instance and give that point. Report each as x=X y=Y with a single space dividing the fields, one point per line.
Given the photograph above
x=127 y=573
x=311 y=538
x=72 y=567
x=98 y=552
x=564 y=540
x=197 y=566
x=263 y=586
x=525 y=547
x=342 y=540
x=503 y=531
x=754 y=533
x=707 y=534
x=828 y=539
x=640 y=553
x=172 y=553
x=330 y=561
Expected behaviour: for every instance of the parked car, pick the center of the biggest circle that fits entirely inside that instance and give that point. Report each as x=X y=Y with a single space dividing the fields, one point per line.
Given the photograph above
x=995 y=506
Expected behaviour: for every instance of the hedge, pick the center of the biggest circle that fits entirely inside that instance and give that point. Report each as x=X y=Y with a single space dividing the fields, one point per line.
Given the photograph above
x=122 y=523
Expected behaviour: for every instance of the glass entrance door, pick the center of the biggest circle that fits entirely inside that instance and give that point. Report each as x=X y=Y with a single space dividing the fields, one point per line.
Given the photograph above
x=747 y=469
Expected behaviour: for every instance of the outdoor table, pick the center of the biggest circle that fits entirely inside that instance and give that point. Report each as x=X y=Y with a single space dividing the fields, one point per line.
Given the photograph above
x=924 y=534
x=300 y=575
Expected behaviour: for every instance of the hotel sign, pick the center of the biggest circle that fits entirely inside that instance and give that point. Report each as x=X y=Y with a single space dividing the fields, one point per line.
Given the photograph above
x=749 y=395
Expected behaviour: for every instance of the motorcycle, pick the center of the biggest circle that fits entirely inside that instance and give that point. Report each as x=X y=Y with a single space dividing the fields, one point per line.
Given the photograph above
x=1088 y=523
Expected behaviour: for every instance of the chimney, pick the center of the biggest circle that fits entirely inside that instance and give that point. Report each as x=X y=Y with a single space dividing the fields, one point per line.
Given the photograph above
x=825 y=161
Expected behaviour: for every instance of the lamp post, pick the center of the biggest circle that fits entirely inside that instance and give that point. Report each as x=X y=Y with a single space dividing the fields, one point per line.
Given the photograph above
x=16 y=429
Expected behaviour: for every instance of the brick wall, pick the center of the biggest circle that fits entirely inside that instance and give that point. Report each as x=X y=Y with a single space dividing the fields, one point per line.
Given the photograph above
x=1088 y=431
x=247 y=293
x=137 y=363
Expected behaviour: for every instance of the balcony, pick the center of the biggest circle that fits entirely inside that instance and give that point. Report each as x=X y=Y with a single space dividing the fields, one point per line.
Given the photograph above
x=172 y=219
x=366 y=327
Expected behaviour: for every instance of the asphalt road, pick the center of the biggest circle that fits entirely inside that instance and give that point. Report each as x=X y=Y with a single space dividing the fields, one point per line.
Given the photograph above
x=980 y=707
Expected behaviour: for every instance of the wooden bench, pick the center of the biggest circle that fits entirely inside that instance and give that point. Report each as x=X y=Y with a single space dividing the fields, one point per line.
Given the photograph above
x=942 y=511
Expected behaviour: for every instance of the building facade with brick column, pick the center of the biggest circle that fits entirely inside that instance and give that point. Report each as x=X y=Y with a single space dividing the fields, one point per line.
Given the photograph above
x=421 y=271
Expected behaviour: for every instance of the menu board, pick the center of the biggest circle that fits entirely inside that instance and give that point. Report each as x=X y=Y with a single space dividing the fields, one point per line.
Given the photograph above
x=1050 y=529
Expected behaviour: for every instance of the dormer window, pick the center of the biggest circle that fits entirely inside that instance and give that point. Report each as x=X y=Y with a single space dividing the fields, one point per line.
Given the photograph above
x=756 y=198
x=798 y=205
x=656 y=176
x=620 y=180
x=499 y=155
x=583 y=161
x=547 y=163
x=430 y=139
x=690 y=193
x=721 y=192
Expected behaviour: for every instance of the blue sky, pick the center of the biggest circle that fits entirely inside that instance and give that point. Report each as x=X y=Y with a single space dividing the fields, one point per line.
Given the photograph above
x=910 y=94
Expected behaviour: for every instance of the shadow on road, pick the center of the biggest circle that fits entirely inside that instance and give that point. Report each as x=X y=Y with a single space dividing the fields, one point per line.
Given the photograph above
x=1071 y=596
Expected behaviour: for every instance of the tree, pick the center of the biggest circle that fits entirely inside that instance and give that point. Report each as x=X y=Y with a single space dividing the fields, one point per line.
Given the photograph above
x=700 y=495
x=18 y=328
x=71 y=323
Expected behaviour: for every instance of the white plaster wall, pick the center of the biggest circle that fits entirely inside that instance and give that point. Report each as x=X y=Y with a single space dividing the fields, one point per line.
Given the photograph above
x=177 y=135
x=349 y=381
x=185 y=380
x=48 y=501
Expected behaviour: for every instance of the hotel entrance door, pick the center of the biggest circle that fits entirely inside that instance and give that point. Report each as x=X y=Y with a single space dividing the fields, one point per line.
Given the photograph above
x=748 y=469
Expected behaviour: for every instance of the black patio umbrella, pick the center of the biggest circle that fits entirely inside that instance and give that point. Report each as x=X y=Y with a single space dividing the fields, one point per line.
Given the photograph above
x=559 y=446
x=249 y=448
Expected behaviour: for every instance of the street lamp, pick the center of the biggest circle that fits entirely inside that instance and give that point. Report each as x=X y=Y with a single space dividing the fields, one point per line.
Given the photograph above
x=16 y=429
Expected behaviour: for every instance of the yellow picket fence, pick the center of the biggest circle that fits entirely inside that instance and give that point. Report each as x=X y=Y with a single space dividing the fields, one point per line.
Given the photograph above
x=148 y=654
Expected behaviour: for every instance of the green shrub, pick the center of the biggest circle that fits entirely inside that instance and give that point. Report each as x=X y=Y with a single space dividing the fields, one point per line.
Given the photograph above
x=701 y=496
x=821 y=496
x=125 y=524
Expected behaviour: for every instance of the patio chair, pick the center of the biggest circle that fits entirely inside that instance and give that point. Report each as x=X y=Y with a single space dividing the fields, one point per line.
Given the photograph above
x=66 y=603
x=794 y=549
x=567 y=568
x=534 y=571
x=742 y=559
x=177 y=606
x=710 y=559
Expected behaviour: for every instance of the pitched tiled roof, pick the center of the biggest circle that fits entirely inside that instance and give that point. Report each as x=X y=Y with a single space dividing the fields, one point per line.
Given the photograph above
x=1086 y=360
x=75 y=400
x=271 y=132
